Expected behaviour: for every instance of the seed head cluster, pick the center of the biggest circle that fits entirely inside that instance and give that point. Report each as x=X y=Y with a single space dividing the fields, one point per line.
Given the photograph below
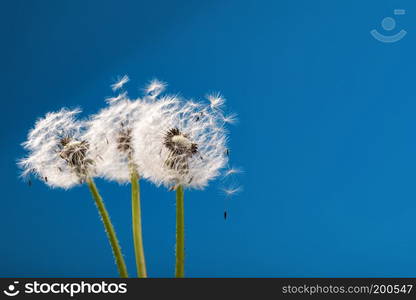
x=166 y=139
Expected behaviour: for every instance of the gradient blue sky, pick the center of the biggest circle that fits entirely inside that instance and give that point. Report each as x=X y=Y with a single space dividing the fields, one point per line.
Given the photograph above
x=326 y=135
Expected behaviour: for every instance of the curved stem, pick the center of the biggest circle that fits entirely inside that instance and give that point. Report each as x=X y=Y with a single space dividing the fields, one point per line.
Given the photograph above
x=180 y=233
x=137 y=225
x=109 y=229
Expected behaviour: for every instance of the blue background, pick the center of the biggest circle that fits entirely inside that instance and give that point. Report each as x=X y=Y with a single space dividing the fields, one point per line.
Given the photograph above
x=326 y=135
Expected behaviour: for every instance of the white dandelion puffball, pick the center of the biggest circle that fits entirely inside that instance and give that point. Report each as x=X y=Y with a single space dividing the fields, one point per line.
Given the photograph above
x=57 y=153
x=181 y=142
x=109 y=134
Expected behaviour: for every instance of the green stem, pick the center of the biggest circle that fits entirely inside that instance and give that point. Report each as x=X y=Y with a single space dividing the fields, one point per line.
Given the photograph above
x=109 y=229
x=137 y=225
x=180 y=233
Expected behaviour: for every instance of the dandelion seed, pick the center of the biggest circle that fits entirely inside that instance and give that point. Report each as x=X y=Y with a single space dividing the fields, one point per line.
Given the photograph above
x=118 y=98
x=229 y=192
x=155 y=88
x=194 y=104
x=216 y=100
x=232 y=171
x=230 y=119
x=120 y=83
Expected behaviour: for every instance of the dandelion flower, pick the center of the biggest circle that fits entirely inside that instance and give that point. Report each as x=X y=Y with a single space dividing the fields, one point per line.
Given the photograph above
x=59 y=156
x=110 y=134
x=181 y=144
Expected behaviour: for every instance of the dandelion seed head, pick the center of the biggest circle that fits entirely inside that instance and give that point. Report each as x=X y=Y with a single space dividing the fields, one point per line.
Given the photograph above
x=120 y=83
x=109 y=132
x=56 y=151
x=180 y=142
x=181 y=149
x=75 y=154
